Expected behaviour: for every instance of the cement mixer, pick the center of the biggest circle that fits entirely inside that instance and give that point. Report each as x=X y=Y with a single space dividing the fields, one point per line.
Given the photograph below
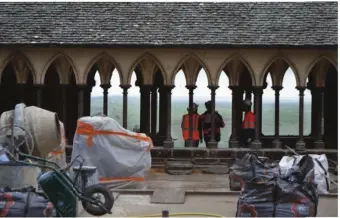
x=44 y=126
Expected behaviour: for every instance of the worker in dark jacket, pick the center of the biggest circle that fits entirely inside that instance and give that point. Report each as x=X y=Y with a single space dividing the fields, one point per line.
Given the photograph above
x=248 y=124
x=196 y=127
x=206 y=123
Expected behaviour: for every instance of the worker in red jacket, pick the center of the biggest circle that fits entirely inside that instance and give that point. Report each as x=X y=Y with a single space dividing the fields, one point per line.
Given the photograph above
x=248 y=124
x=196 y=127
x=206 y=123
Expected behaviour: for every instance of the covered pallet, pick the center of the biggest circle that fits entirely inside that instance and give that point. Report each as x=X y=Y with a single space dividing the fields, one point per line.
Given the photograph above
x=122 y=157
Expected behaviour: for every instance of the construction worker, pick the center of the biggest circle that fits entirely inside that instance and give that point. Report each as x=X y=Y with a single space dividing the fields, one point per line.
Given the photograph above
x=206 y=123
x=248 y=124
x=196 y=127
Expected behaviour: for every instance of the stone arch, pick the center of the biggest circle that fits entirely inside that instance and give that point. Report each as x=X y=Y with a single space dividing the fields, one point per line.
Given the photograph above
x=17 y=56
x=141 y=58
x=96 y=59
x=181 y=63
x=229 y=60
x=316 y=61
x=54 y=58
x=290 y=64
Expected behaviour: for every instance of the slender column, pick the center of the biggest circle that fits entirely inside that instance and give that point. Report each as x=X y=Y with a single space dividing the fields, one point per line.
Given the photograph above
x=64 y=89
x=213 y=143
x=105 y=99
x=319 y=143
x=125 y=104
x=39 y=88
x=191 y=101
x=168 y=142
x=145 y=113
x=248 y=94
x=257 y=101
x=162 y=112
x=81 y=90
x=236 y=93
x=21 y=90
x=301 y=145
x=154 y=99
x=276 y=142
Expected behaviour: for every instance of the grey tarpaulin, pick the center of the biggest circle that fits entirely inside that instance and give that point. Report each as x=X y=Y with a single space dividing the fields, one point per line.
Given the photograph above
x=122 y=157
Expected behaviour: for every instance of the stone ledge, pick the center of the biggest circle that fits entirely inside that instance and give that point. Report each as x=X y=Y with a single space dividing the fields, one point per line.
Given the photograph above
x=196 y=192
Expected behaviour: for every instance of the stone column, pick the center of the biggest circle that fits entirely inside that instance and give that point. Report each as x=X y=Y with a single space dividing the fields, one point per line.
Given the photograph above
x=236 y=94
x=301 y=145
x=248 y=93
x=154 y=100
x=168 y=142
x=319 y=143
x=125 y=104
x=213 y=143
x=105 y=100
x=162 y=113
x=64 y=89
x=39 y=89
x=145 y=108
x=257 y=101
x=191 y=101
x=276 y=142
x=81 y=91
x=21 y=90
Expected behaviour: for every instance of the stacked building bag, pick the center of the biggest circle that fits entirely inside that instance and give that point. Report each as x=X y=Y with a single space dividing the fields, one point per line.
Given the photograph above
x=268 y=194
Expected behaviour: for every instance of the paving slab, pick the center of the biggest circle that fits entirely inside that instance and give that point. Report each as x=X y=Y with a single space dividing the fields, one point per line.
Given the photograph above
x=168 y=196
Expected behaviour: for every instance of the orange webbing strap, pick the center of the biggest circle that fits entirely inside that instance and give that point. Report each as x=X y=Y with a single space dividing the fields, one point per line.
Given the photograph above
x=114 y=179
x=87 y=129
x=55 y=153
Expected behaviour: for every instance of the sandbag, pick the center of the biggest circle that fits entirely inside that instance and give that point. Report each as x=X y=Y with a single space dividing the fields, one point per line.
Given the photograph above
x=250 y=166
x=121 y=156
x=291 y=195
x=24 y=203
x=257 y=200
x=320 y=169
x=296 y=200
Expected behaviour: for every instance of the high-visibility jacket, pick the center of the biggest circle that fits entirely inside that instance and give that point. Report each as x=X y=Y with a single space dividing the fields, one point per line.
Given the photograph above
x=195 y=129
x=249 y=120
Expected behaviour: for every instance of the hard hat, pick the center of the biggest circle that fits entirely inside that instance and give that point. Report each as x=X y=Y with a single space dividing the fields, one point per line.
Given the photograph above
x=194 y=106
x=247 y=102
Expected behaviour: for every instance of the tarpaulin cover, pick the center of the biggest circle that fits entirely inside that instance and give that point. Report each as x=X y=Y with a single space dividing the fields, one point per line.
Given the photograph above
x=24 y=204
x=120 y=155
x=320 y=169
x=292 y=195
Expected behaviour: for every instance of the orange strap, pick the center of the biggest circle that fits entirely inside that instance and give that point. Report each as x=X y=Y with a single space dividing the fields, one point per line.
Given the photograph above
x=55 y=153
x=87 y=129
x=135 y=179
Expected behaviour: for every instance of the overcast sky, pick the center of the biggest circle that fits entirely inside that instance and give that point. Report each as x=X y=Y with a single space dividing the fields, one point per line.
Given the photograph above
x=202 y=91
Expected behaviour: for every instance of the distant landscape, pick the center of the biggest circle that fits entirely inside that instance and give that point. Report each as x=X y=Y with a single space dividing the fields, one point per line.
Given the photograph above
x=289 y=115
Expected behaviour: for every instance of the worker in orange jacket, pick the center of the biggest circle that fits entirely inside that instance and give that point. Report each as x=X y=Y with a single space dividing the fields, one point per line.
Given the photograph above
x=248 y=124
x=196 y=127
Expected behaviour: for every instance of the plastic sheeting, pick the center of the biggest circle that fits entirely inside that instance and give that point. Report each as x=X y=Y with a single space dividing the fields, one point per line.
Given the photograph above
x=320 y=169
x=122 y=157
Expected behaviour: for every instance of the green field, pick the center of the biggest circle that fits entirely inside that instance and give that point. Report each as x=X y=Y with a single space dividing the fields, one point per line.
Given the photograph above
x=289 y=115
